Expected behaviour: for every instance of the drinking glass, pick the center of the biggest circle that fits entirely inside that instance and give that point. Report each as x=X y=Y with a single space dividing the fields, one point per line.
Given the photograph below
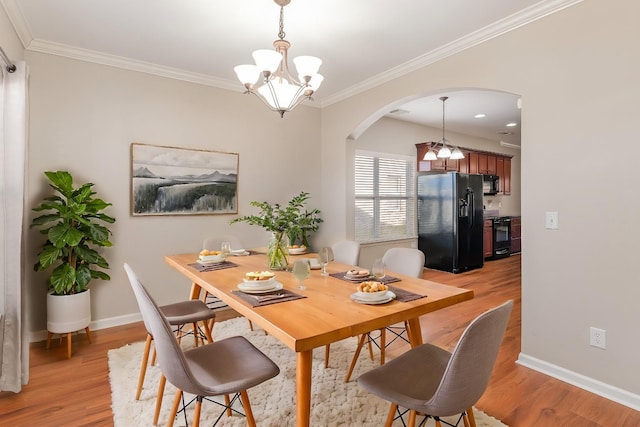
x=378 y=269
x=300 y=271
x=323 y=260
x=225 y=248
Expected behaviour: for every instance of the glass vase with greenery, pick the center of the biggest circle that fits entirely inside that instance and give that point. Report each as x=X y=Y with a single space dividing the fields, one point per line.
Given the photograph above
x=285 y=222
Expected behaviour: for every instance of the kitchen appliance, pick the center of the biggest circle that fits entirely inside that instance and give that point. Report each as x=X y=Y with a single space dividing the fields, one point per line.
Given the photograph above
x=501 y=237
x=450 y=220
x=490 y=184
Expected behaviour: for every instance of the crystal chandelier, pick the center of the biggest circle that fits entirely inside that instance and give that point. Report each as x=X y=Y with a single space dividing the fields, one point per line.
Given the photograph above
x=279 y=89
x=445 y=152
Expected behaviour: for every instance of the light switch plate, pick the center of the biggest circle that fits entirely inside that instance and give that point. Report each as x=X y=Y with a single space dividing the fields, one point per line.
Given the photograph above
x=551 y=220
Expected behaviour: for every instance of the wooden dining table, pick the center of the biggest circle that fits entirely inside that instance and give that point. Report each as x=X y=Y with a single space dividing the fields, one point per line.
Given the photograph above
x=326 y=315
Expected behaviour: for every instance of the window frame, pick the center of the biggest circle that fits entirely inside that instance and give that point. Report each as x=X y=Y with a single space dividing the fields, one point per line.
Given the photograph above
x=408 y=198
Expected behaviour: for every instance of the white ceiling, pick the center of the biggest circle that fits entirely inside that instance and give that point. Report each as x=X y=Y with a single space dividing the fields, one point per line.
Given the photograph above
x=362 y=42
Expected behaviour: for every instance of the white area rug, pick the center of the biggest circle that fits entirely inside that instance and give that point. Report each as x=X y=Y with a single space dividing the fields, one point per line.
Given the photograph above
x=334 y=403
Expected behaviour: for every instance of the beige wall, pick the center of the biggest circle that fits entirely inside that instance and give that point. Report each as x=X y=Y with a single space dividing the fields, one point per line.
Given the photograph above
x=577 y=73
x=84 y=118
x=9 y=39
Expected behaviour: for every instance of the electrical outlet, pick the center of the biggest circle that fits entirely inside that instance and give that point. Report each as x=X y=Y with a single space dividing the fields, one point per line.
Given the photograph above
x=598 y=338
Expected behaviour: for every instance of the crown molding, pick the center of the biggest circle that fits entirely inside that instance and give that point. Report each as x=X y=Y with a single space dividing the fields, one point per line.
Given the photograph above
x=519 y=19
x=130 y=64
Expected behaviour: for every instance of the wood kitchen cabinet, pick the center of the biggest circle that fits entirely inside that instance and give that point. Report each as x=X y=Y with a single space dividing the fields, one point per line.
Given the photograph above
x=505 y=179
x=503 y=170
x=488 y=238
x=481 y=162
x=516 y=242
x=487 y=164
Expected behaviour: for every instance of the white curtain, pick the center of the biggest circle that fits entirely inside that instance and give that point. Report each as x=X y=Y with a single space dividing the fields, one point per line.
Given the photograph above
x=14 y=351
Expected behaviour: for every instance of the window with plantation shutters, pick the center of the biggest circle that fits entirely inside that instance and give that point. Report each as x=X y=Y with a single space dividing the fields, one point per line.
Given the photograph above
x=385 y=201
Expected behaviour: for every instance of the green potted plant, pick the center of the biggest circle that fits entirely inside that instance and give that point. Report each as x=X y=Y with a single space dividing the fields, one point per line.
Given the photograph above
x=291 y=221
x=305 y=223
x=74 y=228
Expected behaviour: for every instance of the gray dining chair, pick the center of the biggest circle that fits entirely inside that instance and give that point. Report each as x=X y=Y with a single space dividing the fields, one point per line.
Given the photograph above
x=345 y=252
x=407 y=261
x=435 y=383
x=178 y=315
x=222 y=368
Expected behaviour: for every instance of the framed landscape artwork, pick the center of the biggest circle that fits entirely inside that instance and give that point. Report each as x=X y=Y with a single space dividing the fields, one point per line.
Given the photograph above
x=180 y=181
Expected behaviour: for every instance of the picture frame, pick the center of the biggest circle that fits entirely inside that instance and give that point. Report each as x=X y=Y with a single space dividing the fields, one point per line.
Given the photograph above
x=181 y=181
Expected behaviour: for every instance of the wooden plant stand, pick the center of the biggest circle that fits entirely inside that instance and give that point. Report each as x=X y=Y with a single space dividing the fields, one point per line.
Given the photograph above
x=50 y=334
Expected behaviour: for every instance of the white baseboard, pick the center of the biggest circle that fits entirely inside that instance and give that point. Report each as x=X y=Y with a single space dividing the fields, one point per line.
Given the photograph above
x=37 y=336
x=607 y=391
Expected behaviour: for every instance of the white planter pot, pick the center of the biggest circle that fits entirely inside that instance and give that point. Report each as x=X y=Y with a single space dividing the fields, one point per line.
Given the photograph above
x=68 y=313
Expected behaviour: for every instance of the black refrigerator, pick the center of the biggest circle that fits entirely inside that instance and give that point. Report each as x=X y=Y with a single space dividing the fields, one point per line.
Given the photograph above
x=450 y=221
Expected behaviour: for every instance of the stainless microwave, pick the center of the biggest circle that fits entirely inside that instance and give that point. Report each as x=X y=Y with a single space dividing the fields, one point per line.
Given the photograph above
x=490 y=184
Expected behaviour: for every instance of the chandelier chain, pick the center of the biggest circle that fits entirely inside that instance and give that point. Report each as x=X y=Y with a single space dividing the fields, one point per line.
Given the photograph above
x=443 y=99
x=281 y=33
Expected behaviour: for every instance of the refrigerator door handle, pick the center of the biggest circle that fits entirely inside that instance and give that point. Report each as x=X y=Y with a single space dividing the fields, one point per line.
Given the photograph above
x=470 y=200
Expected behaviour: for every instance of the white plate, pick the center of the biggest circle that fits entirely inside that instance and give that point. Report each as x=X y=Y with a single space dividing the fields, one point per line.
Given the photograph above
x=371 y=296
x=259 y=283
x=358 y=279
x=211 y=258
x=275 y=286
x=357 y=276
x=390 y=296
x=202 y=262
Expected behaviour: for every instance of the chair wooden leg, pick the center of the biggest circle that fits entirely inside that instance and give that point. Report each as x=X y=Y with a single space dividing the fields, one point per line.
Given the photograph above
x=208 y=327
x=88 y=332
x=143 y=366
x=196 y=334
x=227 y=402
x=412 y=419
x=153 y=357
x=174 y=408
x=355 y=357
x=196 y=412
x=438 y=423
x=383 y=344
x=465 y=420
x=472 y=418
x=251 y=422
x=391 y=415
x=69 y=345
x=161 y=385
x=49 y=335
x=250 y=325
x=327 y=350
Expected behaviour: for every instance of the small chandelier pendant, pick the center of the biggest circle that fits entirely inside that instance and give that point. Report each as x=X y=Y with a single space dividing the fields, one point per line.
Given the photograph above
x=445 y=152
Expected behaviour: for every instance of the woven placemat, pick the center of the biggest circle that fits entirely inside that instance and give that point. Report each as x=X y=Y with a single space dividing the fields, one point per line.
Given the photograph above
x=267 y=298
x=213 y=267
x=404 y=295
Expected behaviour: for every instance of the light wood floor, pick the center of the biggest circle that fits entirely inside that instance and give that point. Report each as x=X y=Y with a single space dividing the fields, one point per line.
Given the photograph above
x=76 y=392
